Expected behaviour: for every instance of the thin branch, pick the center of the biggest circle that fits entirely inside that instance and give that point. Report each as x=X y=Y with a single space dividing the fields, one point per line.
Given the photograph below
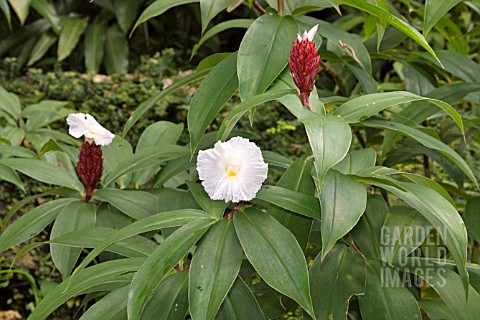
x=238 y=207
x=259 y=7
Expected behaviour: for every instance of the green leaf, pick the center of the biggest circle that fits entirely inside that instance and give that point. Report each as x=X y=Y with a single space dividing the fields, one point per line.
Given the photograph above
x=45 y=112
x=472 y=218
x=275 y=254
x=228 y=124
x=135 y=246
x=44 y=172
x=330 y=139
x=357 y=160
x=384 y=301
x=149 y=103
x=96 y=278
x=222 y=26
x=77 y=215
x=41 y=47
x=31 y=223
x=21 y=152
x=113 y=155
x=447 y=284
x=144 y=159
x=276 y=160
x=161 y=262
x=134 y=203
x=343 y=202
x=172 y=168
x=72 y=29
x=392 y=20
x=125 y=12
x=425 y=139
x=240 y=303
x=161 y=132
x=157 y=221
x=210 y=8
x=301 y=203
x=10 y=104
x=359 y=109
x=116 y=51
x=440 y=213
x=215 y=208
x=170 y=300
x=368 y=231
x=95 y=45
x=157 y=8
x=297 y=178
x=264 y=53
x=219 y=85
x=8 y=174
x=434 y=11
x=397 y=238
x=111 y=307
x=21 y=8
x=334 y=280
x=47 y=10
x=6 y=11
x=213 y=270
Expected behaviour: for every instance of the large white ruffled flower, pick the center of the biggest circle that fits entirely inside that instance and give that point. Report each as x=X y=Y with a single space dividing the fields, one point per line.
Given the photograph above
x=82 y=124
x=232 y=170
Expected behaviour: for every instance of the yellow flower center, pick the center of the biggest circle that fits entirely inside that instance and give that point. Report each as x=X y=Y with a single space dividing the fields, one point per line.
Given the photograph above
x=91 y=132
x=232 y=173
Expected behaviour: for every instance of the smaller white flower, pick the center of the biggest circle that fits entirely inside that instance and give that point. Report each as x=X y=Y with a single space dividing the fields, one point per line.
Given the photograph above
x=232 y=170
x=308 y=35
x=82 y=124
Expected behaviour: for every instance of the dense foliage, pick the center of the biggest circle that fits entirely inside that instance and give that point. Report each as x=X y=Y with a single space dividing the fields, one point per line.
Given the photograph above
x=366 y=218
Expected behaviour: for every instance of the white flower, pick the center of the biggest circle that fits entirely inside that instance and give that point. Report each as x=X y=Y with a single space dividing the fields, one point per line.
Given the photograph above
x=232 y=170
x=308 y=35
x=82 y=124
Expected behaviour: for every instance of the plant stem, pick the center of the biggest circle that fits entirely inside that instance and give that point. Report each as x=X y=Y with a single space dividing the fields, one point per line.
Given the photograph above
x=238 y=206
x=281 y=7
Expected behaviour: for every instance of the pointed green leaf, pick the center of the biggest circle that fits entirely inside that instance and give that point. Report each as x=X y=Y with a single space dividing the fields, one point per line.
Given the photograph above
x=154 y=222
x=99 y=277
x=44 y=172
x=161 y=262
x=112 y=306
x=301 y=203
x=31 y=223
x=240 y=303
x=425 y=139
x=116 y=51
x=21 y=8
x=383 y=300
x=330 y=139
x=331 y=294
x=134 y=203
x=219 y=85
x=363 y=107
x=95 y=45
x=264 y=53
x=41 y=47
x=228 y=124
x=72 y=29
x=77 y=215
x=216 y=29
x=392 y=20
x=8 y=174
x=210 y=8
x=215 y=208
x=157 y=8
x=213 y=270
x=343 y=202
x=434 y=11
x=275 y=254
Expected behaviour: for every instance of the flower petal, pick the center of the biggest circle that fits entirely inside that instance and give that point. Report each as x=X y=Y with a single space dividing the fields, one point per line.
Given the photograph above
x=85 y=125
x=241 y=156
x=312 y=32
x=78 y=124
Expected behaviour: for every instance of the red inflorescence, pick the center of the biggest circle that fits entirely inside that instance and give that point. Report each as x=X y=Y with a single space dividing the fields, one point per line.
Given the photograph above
x=90 y=167
x=304 y=62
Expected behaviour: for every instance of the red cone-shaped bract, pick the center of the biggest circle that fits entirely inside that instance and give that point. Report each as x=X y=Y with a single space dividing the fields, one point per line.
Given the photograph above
x=304 y=62
x=90 y=167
